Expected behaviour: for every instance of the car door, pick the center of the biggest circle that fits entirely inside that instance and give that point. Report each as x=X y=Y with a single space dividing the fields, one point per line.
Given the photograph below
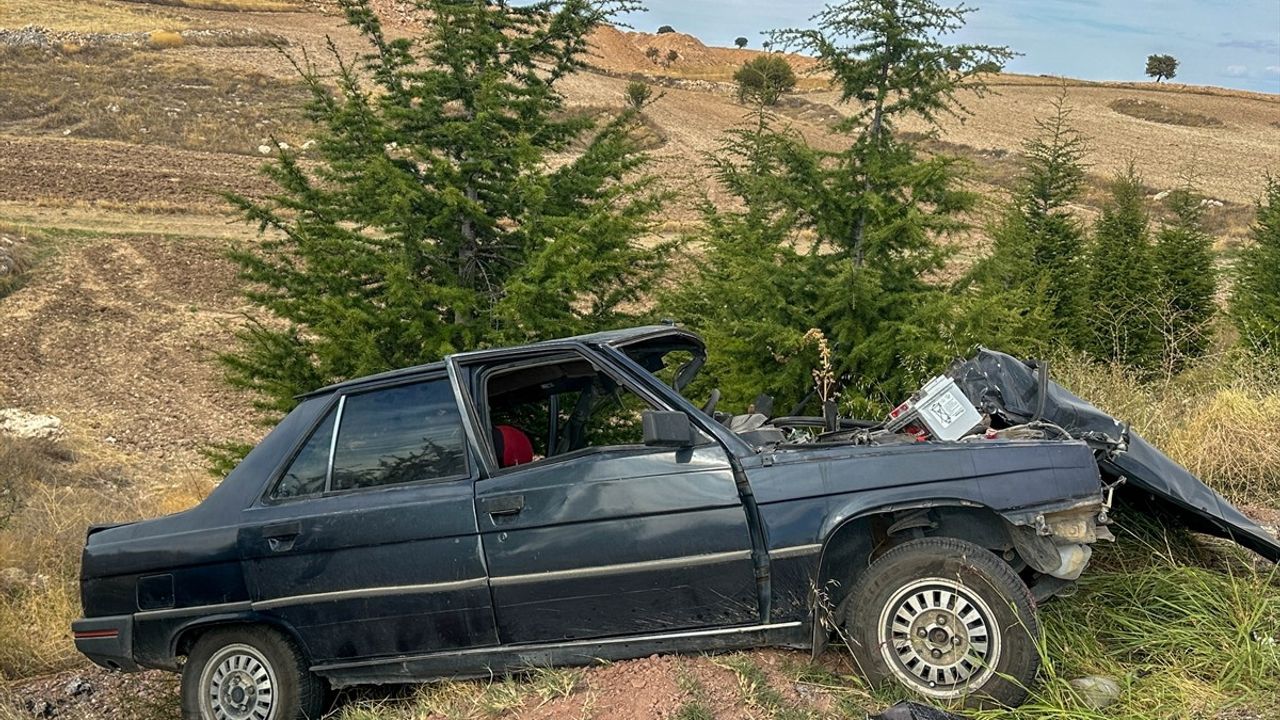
x=367 y=543
x=610 y=538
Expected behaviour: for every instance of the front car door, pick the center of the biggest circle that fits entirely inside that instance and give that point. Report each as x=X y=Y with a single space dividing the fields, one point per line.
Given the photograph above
x=592 y=534
x=366 y=542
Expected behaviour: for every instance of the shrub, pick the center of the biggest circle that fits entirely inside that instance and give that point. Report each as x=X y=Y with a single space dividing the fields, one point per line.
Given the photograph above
x=672 y=56
x=666 y=29
x=164 y=39
x=651 y=52
x=638 y=94
x=764 y=79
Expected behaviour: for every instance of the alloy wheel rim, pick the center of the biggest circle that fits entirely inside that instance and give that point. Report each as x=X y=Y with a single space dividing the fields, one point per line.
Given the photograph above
x=238 y=683
x=939 y=638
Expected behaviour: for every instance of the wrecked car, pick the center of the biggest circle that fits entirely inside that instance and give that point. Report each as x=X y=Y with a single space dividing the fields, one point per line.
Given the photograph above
x=563 y=503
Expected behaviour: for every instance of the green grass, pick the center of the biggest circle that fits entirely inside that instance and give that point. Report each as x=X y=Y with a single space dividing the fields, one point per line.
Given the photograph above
x=1182 y=639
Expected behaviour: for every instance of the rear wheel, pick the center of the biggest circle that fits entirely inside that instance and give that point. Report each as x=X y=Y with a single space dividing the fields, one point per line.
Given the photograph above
x=947 y=619
x=249 y=673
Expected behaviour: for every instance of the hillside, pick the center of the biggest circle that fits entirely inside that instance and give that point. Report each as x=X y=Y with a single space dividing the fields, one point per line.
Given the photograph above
x=121 y=125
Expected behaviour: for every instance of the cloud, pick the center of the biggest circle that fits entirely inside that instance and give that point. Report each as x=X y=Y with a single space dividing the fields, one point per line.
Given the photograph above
x=1237 y=71
x=1259 y=45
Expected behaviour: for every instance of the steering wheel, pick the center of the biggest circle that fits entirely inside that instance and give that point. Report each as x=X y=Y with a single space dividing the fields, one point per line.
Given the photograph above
x=712 y=401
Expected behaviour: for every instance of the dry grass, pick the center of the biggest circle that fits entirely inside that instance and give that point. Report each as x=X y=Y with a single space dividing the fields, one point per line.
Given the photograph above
x=1161 y=113
x=144 y=98
x=231 y=5
x=97 y=16
x=51 y=495
x=164 y=39
x=1216 y=419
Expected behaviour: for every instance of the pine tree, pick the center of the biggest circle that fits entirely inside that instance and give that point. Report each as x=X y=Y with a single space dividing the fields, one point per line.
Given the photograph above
x=1184 y=264
x=431 y=219
x=847 y=241
x=1037 y=259
x=1123 y=284
x=1255 y=303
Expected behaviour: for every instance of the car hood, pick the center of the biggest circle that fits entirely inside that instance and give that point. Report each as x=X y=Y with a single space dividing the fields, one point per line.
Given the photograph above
x=1004 y=386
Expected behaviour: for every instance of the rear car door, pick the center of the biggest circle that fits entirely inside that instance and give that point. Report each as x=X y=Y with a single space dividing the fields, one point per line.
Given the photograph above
x=366 y=544
x=587 y=532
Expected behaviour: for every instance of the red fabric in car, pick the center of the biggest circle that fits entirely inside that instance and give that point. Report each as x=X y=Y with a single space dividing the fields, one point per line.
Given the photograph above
x=514 y=447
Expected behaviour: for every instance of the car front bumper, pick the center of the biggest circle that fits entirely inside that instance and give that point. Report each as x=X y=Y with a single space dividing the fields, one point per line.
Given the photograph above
x=107 y=641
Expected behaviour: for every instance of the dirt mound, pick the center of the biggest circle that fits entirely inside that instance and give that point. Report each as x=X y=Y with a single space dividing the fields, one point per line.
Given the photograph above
x=621 y=52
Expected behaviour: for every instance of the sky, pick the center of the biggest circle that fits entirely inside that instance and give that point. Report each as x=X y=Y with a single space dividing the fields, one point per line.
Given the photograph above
x=1230 y=43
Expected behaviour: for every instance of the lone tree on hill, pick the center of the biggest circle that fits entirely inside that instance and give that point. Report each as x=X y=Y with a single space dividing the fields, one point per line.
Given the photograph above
x=432 y=219
x=741 y=42
x=1255 y=304
x=666 y=29
x=1162 y=67
x=764 y=78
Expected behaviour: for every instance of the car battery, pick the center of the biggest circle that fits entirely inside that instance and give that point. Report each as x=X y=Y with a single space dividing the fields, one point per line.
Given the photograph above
x=940 y=407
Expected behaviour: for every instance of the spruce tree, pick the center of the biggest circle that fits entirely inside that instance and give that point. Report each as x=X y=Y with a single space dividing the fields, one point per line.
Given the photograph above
x=845 y=241
x=1255 y=303
x=880 y=207
x=1038 y=249
x=1123 y=284
x=429 y=217
x=1184 y=263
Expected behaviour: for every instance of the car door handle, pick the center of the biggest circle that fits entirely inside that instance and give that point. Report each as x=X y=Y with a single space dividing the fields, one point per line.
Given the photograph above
x=503 y=505
x=280 y=537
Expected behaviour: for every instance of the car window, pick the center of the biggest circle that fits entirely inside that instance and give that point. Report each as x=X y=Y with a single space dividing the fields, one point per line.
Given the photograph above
x=397 y=435
x=561 y=407
x=307 y=473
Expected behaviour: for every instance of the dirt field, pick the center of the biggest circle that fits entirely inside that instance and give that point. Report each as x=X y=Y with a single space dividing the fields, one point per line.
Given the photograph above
x=116 y=329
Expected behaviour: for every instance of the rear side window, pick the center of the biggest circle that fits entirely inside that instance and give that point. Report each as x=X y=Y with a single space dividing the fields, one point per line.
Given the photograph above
x=307 y=474
x=401 y=434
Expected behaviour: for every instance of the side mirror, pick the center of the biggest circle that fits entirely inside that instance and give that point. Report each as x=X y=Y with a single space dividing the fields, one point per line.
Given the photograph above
x=666 y=429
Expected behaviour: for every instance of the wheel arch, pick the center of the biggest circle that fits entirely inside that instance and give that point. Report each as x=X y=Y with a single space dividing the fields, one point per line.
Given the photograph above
x=186 y=636
x=858 y=537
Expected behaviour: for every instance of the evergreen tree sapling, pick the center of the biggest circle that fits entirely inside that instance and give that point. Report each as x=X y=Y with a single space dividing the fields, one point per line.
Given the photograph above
x=1183 y=256
x=845 y=241
x=1124 y=315
x=1255 y=303
x=1036 y=271
x=431 y=220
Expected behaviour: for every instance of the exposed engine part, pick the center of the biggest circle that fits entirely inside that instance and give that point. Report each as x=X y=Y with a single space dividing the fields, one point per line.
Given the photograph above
x=940 y=408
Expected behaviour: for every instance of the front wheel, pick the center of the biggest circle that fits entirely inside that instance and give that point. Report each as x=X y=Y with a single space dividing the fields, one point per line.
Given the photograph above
x=947 y=619
x=249 y=673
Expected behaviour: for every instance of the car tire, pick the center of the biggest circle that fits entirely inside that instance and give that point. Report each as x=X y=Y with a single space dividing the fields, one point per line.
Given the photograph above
x=249 y=673
x=947 y=619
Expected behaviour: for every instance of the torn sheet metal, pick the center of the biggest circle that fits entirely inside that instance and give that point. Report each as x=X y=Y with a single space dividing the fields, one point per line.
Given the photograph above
x=1009 y=389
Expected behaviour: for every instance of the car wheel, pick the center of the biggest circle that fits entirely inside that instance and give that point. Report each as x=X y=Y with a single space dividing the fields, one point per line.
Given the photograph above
x=947 y=619
x=249 y=673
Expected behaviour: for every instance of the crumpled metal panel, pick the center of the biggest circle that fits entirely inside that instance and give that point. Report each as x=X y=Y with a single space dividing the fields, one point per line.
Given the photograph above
x=1006 y=387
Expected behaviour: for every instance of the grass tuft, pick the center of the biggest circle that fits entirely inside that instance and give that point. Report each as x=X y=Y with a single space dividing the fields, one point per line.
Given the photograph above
x=165 y=39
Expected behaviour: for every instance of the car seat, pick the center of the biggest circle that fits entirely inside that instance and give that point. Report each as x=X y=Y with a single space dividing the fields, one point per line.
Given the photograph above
x=511 y=446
